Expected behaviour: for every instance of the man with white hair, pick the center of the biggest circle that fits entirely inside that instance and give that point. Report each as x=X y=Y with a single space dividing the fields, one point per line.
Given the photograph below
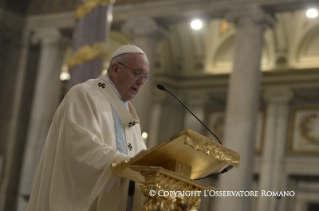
x=94 y=126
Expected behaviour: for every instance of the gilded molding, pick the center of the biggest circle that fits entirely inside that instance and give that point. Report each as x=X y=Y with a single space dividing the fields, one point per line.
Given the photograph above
x=212 y=149
x=87 y=53
x=118 y=166
x=155 y=181
x=302 y=122
x=304 y=127
x=183 y=169
x=89 y=5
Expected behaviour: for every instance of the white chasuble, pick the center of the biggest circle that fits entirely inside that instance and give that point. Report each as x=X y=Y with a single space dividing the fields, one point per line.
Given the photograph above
x=74 y=171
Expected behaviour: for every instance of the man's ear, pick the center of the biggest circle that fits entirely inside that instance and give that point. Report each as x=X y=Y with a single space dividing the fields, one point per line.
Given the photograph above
x=114 y=69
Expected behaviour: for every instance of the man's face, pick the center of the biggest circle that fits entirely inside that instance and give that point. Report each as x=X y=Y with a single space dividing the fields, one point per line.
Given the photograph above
x=123 y=76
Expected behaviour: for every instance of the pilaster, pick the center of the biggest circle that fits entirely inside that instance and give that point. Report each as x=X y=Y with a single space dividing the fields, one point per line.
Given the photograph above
x=272 y=176
x=45 y=101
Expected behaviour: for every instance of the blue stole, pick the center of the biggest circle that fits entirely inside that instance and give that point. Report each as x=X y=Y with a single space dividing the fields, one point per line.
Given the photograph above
x=120 y=133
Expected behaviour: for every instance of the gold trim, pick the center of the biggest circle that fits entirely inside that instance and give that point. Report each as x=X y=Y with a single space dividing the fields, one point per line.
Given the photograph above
x=292 y=118
x=89 y=5
x=304 y=128
x=183 y=169
x=212 y=149
x=158 y=181
x=174 y=149
x=117 y=166
x=87 y=53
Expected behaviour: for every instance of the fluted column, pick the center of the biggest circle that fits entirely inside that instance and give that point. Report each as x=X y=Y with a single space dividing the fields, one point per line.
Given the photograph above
x=272 y=163
x=145 y=33
x=243 y=102
x=45 y=101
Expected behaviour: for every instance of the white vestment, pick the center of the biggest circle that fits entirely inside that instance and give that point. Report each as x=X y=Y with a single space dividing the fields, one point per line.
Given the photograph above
x=74 y=171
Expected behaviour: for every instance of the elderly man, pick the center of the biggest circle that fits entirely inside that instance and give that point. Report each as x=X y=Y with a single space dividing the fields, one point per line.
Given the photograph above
x=94 y=126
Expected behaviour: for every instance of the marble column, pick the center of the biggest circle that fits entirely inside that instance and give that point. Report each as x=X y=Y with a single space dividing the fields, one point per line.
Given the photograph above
x=145 y=33
x=272 y=163
x=243 y=102
x=45 y=101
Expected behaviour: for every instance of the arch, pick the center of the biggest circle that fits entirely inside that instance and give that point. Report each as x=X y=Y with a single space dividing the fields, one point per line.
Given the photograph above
x=307 y=54
x=223 y=60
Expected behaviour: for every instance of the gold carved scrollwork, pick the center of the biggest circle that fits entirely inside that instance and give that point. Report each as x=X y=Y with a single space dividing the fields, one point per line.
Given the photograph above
x=305 y=129
x=87 y=53
x=155 y=182
x=213 y=150
x=89 y=5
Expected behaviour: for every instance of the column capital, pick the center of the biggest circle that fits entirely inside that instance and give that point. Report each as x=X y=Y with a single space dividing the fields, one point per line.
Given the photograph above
x=279 y=95
x=46 y=36
x=144 y=27
x=250 y=14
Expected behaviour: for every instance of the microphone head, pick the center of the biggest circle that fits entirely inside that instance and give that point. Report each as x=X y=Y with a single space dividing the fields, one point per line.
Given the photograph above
x=161 y=87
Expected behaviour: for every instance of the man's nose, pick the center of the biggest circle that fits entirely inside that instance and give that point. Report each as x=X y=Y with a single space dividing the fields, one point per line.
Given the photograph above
x=140 y=80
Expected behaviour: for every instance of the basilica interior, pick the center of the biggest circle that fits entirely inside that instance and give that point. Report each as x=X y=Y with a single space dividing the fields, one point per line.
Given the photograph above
x=248 y=69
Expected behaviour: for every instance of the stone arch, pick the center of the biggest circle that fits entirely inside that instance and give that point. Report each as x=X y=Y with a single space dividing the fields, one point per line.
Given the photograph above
x=307 y=53
x=223 y=59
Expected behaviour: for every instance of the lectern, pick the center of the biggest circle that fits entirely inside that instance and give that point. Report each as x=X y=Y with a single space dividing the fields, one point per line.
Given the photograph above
x=172 y=166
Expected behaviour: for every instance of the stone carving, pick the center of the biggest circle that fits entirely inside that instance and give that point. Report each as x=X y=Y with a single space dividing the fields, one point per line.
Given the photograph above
x=306 y=130
x=303 y=130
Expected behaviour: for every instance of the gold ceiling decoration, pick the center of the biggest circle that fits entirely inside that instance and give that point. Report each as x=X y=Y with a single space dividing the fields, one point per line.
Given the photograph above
x=87 y=53
x=225 y=26
x=89 y=5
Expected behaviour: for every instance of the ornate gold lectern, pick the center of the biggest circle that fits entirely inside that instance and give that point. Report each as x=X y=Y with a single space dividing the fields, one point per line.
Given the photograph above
x=172 y=166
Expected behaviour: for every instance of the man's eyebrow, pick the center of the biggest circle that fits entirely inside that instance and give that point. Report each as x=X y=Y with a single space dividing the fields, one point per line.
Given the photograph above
x=139 y=69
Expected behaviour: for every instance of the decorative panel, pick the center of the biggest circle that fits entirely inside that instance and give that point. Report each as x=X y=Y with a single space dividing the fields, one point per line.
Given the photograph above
x=304 y=130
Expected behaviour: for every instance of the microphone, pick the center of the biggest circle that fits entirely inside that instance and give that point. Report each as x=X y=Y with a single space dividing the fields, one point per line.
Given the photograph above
x=161 y=87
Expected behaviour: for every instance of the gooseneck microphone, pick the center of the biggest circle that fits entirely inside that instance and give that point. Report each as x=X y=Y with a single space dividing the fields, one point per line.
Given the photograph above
x=161 y=87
